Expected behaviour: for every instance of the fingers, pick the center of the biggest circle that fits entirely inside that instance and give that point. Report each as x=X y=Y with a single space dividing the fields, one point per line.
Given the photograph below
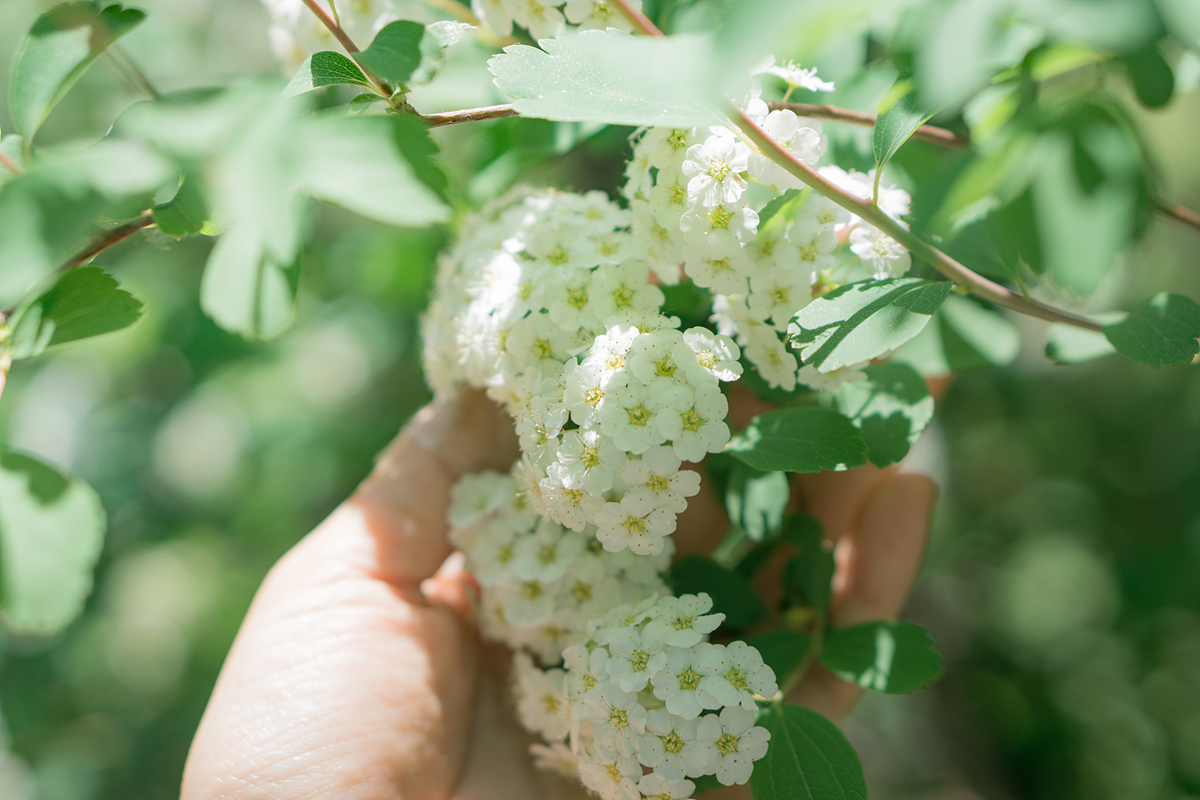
x=879 y=558
x=394 y=525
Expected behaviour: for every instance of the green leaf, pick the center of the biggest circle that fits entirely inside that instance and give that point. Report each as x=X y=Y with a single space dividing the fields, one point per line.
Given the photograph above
x=781 y=649
x=377 y=166
x=894 y=127
x=756 y=501
x=1067 y=344
x=732 y=595
x=1160 y=332
x=248 y=289
x=779 y=204
x=964 y=336
x=186 y=213
x=803 y=439
x=51 y=532
x=395 y=53
x=861 y=321
x=705 y=783
x=611 y=77
x=891 y=408
x=60 y=46
x=808 y=759
x=810 y=571
x=892 y=657
x=12 y=146
x=85 y=302
x=325 y=69
x=1152 y=77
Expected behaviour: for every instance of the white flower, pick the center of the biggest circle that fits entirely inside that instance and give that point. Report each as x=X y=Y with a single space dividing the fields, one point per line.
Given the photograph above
x=715 y=353
x=720 y=265
x=746 y=676
x=617 y=719
x=656 y=478
x=817 y=254
x=669 y=197
x=636 y=657
x=739 y=744
x=634 y=523
x=546 y=554
x=541 y=17
x=800 y=141
x=777 y=295
x=497 y=14
x=538 y=429
x=609 y=349
x=586 y=669
x=882 y=255
x=702 y=224
x=573 y=508
x=611 y=775
x=714 y=170
x=543 y=699
x=655 y=787
x=678 y=683
x=557 y=758
x=598 y=15
x=671 y=746
x=632 y=418
x=796 y=77
x=587 y=387
x=623 y=295
x=813 y=378
x=666 y=147
x=685 y=621
x=626 y=615
x=567 y=299
x=769 y=356
x=537 y=341
x=588 y=460
x=700 y=428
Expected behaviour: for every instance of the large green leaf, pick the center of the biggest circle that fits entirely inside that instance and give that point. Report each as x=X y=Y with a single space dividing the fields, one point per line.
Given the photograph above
x=732 y=594
x=861 y=321
x=51 y=532
x=803 y=439
x=85 y=302
x=756 y=500
x=1160 y=332
x=395 y=53
x=611 y=77
x=892 y=657
x=808 y=759
x=60 y=46
x=187 y=212
x=891 y=408
x=377 y=166
x=325 y=69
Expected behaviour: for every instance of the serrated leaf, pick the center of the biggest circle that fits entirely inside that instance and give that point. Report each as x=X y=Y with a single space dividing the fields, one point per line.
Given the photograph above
x=51 y=532
x=861 y=321
x=732 y=595
x=395 y=52
x=186 y=213
x=85 y=302
x=892 y=657
x=376 y=166
x=804 y=439
x=1067 y=344
x=60 y=46
x=894 y=127
x=891 y=408
x=325 y=69
x=1160 y=332
x=756 y=500
x=808 y=759
x=781 y=649
x=611 y=77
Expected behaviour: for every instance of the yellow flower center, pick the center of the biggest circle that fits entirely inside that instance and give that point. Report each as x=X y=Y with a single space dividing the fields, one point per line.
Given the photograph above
x=728 y=743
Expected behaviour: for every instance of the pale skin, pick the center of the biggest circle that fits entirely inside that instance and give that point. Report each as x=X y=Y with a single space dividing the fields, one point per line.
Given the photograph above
x=358 y=675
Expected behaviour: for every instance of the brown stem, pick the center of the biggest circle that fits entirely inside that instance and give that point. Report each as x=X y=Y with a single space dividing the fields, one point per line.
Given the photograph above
x=115 y=236
x=469 y=115
x=10 y=165
x=640 y=21
x=928 y=133
x=1179 y=213
x=870 y=212
x=340 y=34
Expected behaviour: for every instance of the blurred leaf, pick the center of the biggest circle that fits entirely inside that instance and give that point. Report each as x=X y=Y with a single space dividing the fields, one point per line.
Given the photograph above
x=1151 y=75
x=810 y=571
x=60 y=46
x=803 y=439
x=85 y=302
x=12 y=146
x=781 y=649
x=964 y=337
x=780 y=203
x=1067 y=344
x=611 y=77
x=861 y=321
x=1160 y=332
x=891 y=408
x=325 y=69
x=51 y=532
x=894 y=127
x=732 y=595
x=756 y=501
x=186 y=213
x=1183 y=20
x=246 y=288
x=892 y=657
x=1060 y=58
x=395 y=52
x=376 y=166
x=808 y=759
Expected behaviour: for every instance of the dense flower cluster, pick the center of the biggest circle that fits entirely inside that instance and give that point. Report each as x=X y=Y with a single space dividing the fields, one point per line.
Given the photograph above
x=547 y=18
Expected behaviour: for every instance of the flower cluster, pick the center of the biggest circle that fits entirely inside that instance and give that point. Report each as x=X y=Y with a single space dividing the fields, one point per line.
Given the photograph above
x=646 y=690
x=547 y=18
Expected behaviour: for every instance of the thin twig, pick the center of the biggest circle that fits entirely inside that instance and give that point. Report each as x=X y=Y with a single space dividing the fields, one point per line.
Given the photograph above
x=639 y=20
x=928 y=133
x=1178 y=213
x=7 y=162
x=469 y=115
x=340 y=34
x=870 y=212
x=102 y=243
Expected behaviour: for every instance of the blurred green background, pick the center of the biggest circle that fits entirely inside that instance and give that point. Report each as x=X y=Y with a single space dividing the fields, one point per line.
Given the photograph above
x=1063 y=579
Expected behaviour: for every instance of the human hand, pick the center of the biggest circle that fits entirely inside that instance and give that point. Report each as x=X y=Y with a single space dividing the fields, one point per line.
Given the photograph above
x=357 y=674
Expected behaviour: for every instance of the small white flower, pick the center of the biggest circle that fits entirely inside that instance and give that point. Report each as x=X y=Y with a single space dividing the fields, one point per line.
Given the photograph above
x=770 y=356
x=573 y=508
x=546 y=554
x=543 y=699
x=634 y=523
x=671 y=746
x=715 y=353
x=678 y=683
x=685 y=621
x=611 y=775
x=655 y=787
x=745 y=677
x=800 y=141
x=700 y=428
x=667 y=146
x=813 y=378
x=632 y=419
x=617 y=719
x=656 y=477
x=796 y=77
x=702 y=224
x=720 y=265
x=714 y=170
x=777 y=295
x=623 y=295
x=882 y=255
x=557 y=758
x=739 y=744
x=636 y=657
x=598 y=15
x=541 y=18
